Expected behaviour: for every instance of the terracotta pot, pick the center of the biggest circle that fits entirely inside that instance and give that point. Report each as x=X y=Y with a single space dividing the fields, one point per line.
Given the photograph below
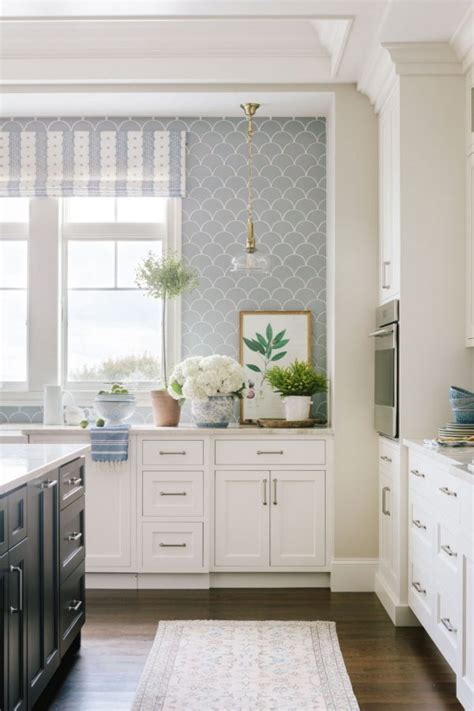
x=166 y=410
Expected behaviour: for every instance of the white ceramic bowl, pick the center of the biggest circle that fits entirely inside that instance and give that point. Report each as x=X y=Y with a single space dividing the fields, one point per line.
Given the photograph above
x=115 y=408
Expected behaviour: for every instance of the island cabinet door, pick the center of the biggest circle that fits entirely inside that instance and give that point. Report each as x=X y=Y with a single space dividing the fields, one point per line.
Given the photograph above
x=17 y=619
x=242 y=519
x=43 y=582
x=297 y=516
x=4 y=612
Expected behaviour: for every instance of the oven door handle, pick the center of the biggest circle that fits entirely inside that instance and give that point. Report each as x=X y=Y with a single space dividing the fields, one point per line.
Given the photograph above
x=381 y=333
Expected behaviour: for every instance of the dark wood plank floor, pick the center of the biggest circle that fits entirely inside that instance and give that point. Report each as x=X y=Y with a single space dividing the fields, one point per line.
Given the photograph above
x=390 y=668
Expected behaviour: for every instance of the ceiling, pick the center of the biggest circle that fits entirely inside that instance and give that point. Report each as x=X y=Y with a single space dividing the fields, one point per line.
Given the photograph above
x=82 y=56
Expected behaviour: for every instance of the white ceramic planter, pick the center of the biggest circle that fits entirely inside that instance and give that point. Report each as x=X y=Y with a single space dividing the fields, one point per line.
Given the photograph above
x=297 y=407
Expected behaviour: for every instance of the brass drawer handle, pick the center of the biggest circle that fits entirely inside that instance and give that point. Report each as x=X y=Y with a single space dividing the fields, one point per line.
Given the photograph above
x=75 y=536
x=448 y=492
x=419 y=589
x=173 y=493
x=74 y=481
x=416 y=472
x=162 y=453
x=447 y=549
x=265 y=502
x=74 y=605
x=48 y=484
x=278 y=451
x=416 y=522
x=447 y=623
x=384 y=458
x=173 y=545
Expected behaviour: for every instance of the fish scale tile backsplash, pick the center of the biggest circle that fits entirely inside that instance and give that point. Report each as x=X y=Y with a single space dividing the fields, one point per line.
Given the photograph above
x=290 y=224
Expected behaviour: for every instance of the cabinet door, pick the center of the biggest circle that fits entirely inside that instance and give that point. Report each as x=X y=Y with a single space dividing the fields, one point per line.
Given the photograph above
x=17 y=684
x=242 y=518
x=3 y=525
x=43 y=582
x=298 y=518
x=386 y=524
x=4 y=613
x=467 y=662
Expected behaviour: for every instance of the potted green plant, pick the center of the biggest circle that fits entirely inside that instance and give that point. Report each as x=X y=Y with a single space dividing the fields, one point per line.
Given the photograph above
x=296 y=384
x=165 y=277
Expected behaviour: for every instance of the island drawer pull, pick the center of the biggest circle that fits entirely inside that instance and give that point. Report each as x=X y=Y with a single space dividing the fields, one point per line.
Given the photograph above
x=161 y=452
x=173 y=493
x=448 y=492
x=48 y=484
x=74 y=605
x=416 y=522
x=447 y=549
x=74 y=536
x=416 y=472
x=447 y=623
x=418 y=588
x=173 y=545
x=385 y=510
x=384 y=458
x=276 y=451
x=74 y=481
x=275 y=492
x=17 y=569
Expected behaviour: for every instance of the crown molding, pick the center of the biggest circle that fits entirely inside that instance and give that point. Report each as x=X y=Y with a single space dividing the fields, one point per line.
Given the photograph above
x=378 y=77
x=463 y=40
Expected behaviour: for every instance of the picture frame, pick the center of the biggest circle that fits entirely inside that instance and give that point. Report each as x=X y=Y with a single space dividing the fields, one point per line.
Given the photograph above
x=291 y=335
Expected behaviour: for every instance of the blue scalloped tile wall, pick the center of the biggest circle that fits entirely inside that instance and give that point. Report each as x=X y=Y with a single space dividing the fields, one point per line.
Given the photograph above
x=290 y=223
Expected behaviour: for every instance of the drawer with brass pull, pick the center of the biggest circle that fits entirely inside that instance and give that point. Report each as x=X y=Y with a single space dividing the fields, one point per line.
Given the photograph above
x=71 y=538
x=420 y=592
x=447 y=621
x=172 y=547
x=176 y=493
x=271 y=451
x=172 y=452
x=421 y=525
x=72 y=607
x=71 y=482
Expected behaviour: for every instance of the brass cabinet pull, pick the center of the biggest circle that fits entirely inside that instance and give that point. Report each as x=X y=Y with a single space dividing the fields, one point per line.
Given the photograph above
x=416 y=472
x=265 y=502
x=447 y=549
x=416 y=522
x=74 y=605
x=74 y=536
x=162 y=453
x=447 y=623
x=17 y=569
x=262 y=451
x=48 y=484
x=173 y=493
x=275 y=492
x=418 y=588
x=173 y=545
x=448 y=492
x=385 y=510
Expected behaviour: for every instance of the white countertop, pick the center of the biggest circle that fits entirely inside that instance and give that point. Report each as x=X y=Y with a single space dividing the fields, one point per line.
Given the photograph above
x=457 y=458
x=184 y=429
x=20 y=463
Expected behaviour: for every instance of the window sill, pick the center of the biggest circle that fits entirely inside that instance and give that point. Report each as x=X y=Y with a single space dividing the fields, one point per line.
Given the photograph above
x=82 y=398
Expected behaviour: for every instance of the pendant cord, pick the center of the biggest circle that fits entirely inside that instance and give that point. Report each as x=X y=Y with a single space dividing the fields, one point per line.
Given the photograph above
x=250 y=168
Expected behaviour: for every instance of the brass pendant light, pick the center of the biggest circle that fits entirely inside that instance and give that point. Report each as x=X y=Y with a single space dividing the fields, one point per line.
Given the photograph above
x=252 y=260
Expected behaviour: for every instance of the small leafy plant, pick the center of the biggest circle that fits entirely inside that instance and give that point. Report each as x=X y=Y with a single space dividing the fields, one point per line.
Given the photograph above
x=267 y=346
x=299 y=378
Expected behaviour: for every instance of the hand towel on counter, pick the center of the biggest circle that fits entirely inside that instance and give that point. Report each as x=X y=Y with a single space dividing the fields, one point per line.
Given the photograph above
x=110 y=443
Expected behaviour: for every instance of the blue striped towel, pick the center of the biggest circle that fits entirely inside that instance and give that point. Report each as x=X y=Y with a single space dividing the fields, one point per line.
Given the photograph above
x=109 y=444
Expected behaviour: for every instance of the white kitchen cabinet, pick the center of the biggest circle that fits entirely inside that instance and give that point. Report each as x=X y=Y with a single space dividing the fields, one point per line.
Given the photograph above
x=242 y=518
x=172 y=547
x=386 y=525
x=470 y=244
x=466 y=674
x=389 y=198
x=109 y=505
x=297 y=515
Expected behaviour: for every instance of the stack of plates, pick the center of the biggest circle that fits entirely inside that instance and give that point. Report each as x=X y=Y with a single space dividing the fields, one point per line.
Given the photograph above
x=455 y=432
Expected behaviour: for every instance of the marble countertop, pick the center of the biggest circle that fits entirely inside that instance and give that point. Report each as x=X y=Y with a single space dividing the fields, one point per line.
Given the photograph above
x=183 y=429
x=20 y=463
x=457 y=458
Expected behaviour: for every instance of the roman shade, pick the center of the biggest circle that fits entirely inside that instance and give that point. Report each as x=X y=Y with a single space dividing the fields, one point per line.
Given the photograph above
x=87 y=157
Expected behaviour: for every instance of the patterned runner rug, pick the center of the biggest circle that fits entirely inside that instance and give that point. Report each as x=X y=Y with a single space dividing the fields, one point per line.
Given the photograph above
x=209 y=665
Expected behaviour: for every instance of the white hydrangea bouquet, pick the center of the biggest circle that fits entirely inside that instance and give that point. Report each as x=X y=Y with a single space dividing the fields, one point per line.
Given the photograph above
x=211 y=383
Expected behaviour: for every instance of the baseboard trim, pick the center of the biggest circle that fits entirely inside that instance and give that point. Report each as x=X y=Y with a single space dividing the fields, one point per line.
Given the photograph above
x=353 y=574
x=401 y=615
x=269 y=580
x=204 y=581
x=111 y=581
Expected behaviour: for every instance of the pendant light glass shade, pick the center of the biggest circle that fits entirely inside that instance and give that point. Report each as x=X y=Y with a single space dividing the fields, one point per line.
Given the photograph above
x=251 y=260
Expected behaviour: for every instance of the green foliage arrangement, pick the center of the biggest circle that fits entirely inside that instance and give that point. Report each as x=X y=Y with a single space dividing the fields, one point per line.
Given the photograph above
x=266 y=346
x=165 y=277
x=299 y=378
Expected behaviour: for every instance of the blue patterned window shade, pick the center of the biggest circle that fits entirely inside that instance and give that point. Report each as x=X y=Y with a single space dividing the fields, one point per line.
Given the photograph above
x=50 y=157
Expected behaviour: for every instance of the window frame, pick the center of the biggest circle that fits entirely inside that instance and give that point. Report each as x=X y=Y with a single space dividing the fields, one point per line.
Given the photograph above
x=47 y=286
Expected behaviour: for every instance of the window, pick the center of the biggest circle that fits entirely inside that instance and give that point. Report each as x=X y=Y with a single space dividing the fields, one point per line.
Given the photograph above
x=13 y=291
x=70 y=310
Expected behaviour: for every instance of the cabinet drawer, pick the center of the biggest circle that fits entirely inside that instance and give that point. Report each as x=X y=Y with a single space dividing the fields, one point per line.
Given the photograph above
x=447 y=553
x=420 y=477
x=73 y=607
x=420 y=593
x=3 y=525
x=447 y=620
x=173 y=493
x=270 y=451
x=421 y=526
x=71 y=482
x=17 y=516
x=389 y=455
x=172 y=547
x=163 y=452
x=447 y=496
x=72 y=538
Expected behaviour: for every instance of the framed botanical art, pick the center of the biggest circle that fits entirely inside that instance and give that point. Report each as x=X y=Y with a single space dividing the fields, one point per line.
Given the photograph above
x=270 y=338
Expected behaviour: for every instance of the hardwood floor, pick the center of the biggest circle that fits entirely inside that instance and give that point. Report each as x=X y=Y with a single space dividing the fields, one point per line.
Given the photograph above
x=390 y=668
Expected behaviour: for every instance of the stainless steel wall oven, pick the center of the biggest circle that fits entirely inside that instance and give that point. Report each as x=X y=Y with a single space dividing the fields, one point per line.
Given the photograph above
x=386 y=369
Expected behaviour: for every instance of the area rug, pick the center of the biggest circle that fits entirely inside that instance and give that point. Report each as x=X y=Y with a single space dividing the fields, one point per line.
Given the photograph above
x=208 y=665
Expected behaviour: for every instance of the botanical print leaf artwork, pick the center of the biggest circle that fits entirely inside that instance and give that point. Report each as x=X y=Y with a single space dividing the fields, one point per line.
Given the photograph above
x=268 y=339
